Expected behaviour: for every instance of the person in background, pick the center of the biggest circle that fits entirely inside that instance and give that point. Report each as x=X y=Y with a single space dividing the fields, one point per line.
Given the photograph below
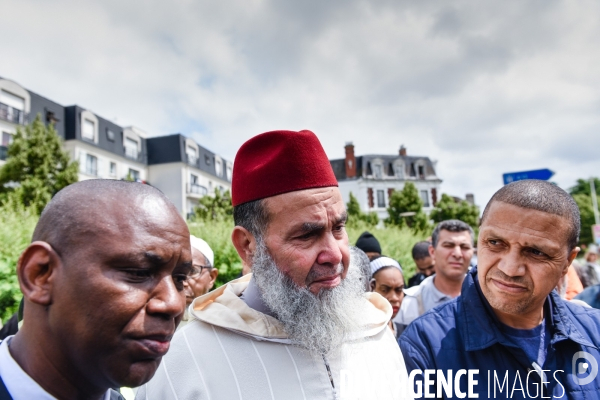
x=451 y=249
x=203 y=275
x=369 y=244
x=509 y=322
x=424 y=262
x=103 y=287
x=387 y=280
x=588 y=272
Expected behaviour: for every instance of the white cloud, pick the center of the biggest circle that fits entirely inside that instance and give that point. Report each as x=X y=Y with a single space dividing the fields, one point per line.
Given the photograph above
x=484 y=88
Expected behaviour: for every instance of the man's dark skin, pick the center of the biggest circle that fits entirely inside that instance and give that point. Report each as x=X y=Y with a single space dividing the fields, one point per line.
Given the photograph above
x=103 y=293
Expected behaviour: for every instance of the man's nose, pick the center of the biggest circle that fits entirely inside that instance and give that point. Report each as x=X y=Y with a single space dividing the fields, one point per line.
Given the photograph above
x=511 y=263
x=166 y=299
x=457 y=252
x=330 y=251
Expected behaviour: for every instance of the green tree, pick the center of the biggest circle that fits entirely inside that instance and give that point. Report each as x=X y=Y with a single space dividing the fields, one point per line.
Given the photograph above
x=36 y=168
x=215 y=208
x=448 y=208
x=355 y=214
x=406 y=209
x=581 y=193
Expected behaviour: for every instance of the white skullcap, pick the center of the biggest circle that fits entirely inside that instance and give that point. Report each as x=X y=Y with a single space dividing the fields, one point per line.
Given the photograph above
x=204 y=248
x=381 y=262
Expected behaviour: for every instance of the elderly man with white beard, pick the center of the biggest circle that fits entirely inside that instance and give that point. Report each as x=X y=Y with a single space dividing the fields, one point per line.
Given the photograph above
x=301 y=325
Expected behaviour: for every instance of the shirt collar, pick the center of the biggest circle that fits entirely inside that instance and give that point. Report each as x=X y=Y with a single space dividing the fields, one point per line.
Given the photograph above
x=479 y=321
x=19 y=384
x=253 y=299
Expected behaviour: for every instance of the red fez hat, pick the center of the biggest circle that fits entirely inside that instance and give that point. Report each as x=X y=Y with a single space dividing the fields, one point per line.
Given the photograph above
x=279 y=162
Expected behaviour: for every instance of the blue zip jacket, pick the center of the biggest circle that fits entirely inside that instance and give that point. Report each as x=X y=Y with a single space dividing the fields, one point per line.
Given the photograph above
x=464 y=334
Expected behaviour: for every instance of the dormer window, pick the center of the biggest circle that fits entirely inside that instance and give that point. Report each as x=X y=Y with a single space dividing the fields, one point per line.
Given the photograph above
x=399 y=170
x=207 y=159
x=192 y=154
x=131 y=148
x=369 y=170
x=377 y=171
x=88 y=129
x=390 y=170
x=229 y=172
x=219 y=168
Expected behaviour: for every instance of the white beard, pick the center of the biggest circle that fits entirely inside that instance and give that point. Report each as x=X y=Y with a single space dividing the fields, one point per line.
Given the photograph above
x=321 y=322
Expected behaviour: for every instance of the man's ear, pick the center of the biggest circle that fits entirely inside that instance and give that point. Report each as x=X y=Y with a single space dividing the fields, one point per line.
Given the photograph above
x=244 y=242
x=214 y=272
x=36 y=270
x=431 y=250
x=572 y=256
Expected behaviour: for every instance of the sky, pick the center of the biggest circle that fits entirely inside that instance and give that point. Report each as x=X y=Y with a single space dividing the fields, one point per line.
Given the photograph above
x=484 y=88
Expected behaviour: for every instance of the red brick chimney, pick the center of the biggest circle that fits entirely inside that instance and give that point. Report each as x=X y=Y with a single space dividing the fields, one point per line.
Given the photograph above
x=402 y=151
x=350 y=160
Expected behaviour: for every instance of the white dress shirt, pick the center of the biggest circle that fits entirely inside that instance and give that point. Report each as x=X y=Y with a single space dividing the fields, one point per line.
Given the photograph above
x=20 y=385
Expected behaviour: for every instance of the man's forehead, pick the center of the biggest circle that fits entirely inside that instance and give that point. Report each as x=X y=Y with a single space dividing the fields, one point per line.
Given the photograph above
x=320 y=199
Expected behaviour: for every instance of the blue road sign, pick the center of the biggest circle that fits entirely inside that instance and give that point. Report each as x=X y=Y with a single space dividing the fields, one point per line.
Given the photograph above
x=541 y=174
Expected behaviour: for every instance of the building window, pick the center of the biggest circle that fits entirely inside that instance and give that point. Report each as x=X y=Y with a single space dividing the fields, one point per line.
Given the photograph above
x=110 y=135
x=134 y=174
x=390 y=169
x=91 y=165
x=229 y=172
x=399 y=169
x=12 y=107
x=425 y=198
x=380 y=199
x=413 y=172
x=87 y=130
x=192 y=155
x=131 y=148
x=421 y=172
x=377 y=168
x=113 y=169
x=7 y=139
x=369 y=171
x=207 y=159
x=219 y=168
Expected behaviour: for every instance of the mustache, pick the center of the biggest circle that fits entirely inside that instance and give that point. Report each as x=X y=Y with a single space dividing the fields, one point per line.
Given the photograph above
x=516 y=280
x=318 y=273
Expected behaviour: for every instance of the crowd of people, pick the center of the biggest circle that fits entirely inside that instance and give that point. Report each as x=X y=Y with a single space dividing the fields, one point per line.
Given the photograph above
x=118 y=294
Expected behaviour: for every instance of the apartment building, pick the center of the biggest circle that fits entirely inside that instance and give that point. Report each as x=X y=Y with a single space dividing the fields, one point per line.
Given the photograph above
x=372 y=178
x=175 y=164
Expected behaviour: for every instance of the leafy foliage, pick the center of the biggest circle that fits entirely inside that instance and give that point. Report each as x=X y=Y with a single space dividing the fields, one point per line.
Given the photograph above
x=407 y=201
x=448 y=208
x=215 y=208
x=218 y=236
x=396 y=242
x=16 y=228
x=356 y=215
x=582 y=195
x=36 y=168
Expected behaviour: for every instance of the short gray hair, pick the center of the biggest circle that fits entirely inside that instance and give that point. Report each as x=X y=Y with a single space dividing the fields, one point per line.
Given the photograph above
x=451 y=225
x=541 y=196
x=253 y=216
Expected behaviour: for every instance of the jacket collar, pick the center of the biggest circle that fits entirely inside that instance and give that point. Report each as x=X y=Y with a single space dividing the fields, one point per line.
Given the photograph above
x=482 y=328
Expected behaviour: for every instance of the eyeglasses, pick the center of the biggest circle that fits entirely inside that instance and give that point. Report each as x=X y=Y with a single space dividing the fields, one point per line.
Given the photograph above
x=197 y=271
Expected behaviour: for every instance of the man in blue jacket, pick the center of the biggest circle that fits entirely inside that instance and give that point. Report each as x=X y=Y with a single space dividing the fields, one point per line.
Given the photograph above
x=509 y=335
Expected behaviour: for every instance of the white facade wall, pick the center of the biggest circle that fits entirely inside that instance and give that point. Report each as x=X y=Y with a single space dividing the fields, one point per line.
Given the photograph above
x=79 y=150
x=359 y=188
x=175 y=180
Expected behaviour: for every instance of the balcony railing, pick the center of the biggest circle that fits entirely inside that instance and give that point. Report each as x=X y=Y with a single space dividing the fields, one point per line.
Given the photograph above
x=134 y=154
x=197 y=189
x=11 y=114
x=3 y=152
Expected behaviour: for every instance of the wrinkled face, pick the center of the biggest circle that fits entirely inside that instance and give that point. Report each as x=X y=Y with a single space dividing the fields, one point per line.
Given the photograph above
x=120 y=293
x=452 y=254
x=522 y=254
x=306 y=237
x=425 y=266
x=389 y=283
x=201 y=282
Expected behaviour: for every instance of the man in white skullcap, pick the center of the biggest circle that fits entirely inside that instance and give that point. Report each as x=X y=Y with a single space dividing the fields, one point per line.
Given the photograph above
x=203 y=275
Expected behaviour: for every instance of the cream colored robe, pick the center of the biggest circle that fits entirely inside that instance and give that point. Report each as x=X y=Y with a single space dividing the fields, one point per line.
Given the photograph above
x=229 y=351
